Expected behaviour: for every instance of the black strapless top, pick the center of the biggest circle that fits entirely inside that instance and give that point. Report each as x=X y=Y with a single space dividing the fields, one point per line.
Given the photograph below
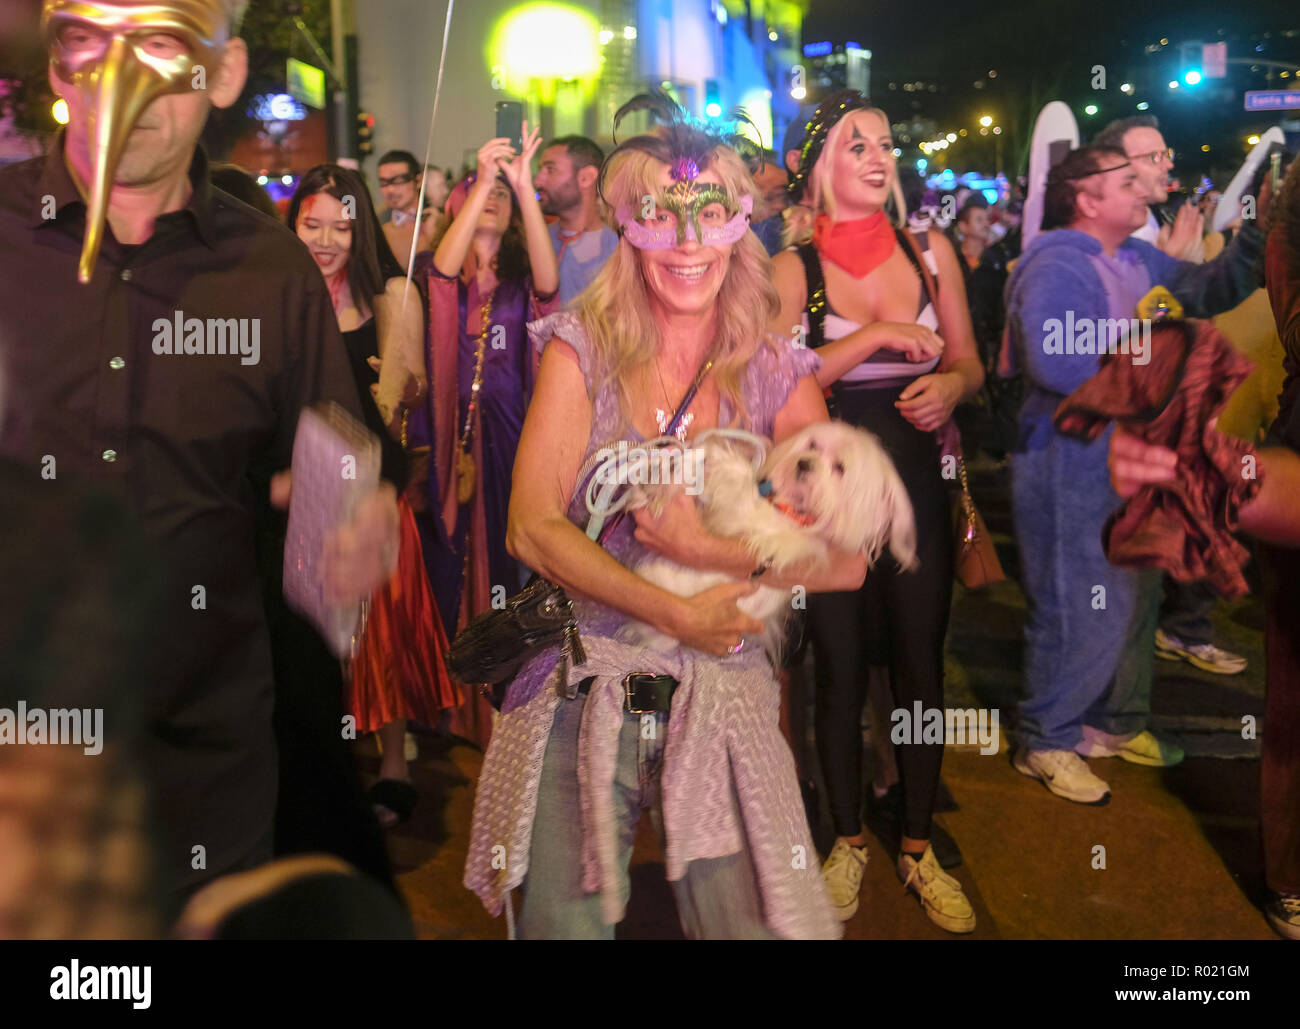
x=363 y=343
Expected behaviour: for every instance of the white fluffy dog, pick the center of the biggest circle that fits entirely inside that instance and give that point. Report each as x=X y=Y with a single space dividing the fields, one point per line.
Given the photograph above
x=828 y=485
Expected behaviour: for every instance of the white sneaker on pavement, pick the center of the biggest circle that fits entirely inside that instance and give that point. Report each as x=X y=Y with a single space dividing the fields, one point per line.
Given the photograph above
x=842 y=874
x=1205 y=656
x=1064 y=773
x=1142 y=748
x=940 y=894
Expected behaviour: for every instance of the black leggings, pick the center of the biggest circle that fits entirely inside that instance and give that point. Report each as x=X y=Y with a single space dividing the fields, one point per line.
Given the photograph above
x=897 y=619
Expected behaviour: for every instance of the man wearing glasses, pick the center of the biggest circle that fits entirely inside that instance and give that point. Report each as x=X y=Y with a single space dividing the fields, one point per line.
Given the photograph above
x=1090 y=633
x=399 y=185
x=1186 y=632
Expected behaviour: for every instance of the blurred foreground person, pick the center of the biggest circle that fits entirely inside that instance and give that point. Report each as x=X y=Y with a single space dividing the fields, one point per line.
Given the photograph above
x=1273 y=517
x=158 y=341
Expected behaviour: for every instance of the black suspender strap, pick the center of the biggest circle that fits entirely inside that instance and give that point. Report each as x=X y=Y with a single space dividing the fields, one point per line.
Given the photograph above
x=815 y=306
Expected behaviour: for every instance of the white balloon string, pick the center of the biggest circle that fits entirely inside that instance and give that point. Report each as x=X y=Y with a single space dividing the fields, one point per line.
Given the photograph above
x=428 y=149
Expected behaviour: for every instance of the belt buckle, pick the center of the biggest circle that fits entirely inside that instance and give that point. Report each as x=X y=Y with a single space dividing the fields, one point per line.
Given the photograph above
x=627 y=694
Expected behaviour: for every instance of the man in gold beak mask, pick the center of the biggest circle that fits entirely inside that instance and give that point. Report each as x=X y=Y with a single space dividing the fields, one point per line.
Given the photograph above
x=139 y=80
x=158 y=341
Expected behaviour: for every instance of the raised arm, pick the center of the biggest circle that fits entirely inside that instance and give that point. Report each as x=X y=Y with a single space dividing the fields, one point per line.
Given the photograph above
x=541 y=252
x=452 y=250
x=539 y=533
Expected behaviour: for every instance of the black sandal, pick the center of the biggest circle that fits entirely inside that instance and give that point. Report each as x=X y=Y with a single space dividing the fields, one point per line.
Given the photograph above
x=396 y=797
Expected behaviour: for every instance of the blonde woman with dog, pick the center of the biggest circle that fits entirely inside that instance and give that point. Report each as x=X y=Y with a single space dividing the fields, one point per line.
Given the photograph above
x=691 y=734
x=898 y=355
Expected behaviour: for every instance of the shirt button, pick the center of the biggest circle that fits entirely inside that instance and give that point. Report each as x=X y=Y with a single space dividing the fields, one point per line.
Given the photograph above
x=126 y=274
x=109 y=455
x=116 y=363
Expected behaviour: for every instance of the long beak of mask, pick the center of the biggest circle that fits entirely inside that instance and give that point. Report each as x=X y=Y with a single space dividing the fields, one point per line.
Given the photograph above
x=121 y=57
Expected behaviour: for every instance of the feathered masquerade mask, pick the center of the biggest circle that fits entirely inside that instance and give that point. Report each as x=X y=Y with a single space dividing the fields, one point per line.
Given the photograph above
x=685 y=210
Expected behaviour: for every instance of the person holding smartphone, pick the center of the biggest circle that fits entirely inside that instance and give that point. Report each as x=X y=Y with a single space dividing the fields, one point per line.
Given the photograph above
x=493 y=271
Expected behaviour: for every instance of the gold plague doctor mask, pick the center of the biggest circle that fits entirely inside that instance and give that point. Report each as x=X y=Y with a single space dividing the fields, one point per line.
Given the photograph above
x=102 y=49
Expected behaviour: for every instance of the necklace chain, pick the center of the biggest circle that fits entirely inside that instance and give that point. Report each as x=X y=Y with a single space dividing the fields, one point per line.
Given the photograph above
x=480 y=347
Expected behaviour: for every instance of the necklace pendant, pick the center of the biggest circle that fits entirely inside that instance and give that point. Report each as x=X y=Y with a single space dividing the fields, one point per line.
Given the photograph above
x=662 y=418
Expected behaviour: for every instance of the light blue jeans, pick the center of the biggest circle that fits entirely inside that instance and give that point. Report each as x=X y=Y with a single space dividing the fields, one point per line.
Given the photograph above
x=716 y=899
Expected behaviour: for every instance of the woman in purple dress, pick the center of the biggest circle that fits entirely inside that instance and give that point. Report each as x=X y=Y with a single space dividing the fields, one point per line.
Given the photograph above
x=493 y=270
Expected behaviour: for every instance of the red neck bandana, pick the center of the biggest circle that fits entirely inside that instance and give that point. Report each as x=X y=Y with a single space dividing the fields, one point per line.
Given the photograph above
x=857 y=246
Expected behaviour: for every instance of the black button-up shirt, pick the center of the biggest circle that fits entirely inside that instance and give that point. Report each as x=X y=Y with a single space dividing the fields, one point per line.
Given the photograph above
x=90 y=392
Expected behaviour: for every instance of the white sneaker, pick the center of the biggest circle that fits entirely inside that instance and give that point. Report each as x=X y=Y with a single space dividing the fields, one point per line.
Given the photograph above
x=940 y=894
x=842 y=874
x=1205 y=656
x=1064 y=773
x=1142 y=748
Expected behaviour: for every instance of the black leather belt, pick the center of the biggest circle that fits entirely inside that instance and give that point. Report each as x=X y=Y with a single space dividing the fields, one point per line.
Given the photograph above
x=642 y=694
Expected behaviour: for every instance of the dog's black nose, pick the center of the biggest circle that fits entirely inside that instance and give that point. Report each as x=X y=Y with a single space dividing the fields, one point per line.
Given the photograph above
x=803 y=465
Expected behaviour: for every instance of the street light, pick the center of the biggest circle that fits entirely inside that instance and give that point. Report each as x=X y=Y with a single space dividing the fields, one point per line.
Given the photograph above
x=1192 y=77
x=986 y=120
x=1252 y=140
x=1173 y=83
x=1126 y=87
x=1090 y=109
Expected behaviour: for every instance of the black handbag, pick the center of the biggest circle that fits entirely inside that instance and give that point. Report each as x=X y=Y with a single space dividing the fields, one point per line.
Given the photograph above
x=496 y=644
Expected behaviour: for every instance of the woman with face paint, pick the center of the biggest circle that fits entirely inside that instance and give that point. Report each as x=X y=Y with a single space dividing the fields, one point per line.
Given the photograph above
x=676 y=321
x=398 y=672
x=493 y=270
x=897 y=356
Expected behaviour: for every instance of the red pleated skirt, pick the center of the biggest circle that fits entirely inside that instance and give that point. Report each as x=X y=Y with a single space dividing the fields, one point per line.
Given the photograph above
x=400 y=670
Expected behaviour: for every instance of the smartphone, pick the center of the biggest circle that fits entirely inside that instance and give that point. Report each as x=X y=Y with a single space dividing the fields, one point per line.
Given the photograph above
x=510 y=122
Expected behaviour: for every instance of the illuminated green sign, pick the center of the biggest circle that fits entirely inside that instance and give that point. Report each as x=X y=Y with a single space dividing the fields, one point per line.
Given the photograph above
x=306 y=83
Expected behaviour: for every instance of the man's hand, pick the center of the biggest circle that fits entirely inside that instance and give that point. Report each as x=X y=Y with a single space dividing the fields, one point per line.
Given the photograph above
x=1180 y=240
x=1134 y=464
x=362 y=555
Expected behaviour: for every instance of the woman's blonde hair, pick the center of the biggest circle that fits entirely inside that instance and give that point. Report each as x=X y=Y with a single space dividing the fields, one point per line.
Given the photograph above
x=821 y=191
x=616 y=307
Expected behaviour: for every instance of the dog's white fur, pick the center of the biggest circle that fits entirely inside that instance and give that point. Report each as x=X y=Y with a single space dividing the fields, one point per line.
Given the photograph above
x=834 y=473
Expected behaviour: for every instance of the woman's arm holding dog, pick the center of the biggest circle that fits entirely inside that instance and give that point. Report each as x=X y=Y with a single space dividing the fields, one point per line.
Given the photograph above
x=540 y=535
x=679 y=533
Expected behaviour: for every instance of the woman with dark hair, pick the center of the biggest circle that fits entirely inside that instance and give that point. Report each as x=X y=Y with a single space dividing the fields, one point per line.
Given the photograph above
x=898 y=355
x=493 y=271
x=398 y=672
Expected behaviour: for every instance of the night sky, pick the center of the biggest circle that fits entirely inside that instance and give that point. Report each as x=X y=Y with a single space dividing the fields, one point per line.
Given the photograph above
x=1045 y=50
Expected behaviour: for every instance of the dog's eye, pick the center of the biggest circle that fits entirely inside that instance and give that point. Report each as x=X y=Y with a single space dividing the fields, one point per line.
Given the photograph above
x=839 y=467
